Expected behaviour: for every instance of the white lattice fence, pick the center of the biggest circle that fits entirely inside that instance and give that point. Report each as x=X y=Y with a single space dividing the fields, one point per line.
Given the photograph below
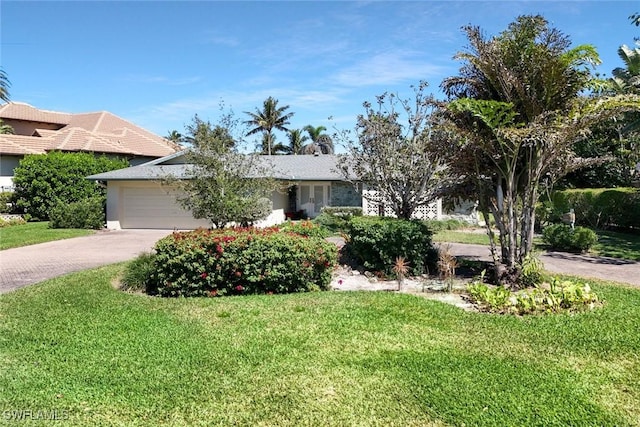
x=372 y=204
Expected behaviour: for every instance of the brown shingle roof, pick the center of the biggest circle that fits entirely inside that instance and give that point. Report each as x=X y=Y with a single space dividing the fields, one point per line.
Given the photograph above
x=100 y=132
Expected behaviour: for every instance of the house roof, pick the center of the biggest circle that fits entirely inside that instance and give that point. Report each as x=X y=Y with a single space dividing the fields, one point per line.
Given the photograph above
x=290 y=168
x=100 y=132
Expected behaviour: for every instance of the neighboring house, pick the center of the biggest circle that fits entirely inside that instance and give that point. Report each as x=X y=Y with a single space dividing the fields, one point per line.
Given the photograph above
x=40 y=131
x=136 y=197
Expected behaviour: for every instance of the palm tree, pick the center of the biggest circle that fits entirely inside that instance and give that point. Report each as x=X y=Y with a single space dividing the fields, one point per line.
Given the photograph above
x=320 y=142
x=175 y=137
x=296 y=141
x=266 y=120
x=627 y=80
x=4 y=86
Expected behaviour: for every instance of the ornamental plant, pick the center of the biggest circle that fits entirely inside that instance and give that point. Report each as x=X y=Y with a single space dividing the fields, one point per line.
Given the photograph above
x=239 y=261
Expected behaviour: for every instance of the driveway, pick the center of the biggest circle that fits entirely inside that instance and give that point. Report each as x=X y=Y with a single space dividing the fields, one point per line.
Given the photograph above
x=24 y=266
x=604 y=268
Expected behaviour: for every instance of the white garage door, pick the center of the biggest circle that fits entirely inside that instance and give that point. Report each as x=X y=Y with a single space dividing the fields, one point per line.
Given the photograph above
x=151 y=207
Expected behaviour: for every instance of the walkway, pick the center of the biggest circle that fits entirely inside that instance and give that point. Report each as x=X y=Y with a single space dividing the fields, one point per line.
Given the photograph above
x=27 y=265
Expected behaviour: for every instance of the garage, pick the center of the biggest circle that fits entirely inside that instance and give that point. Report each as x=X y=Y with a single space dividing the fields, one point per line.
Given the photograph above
x=147 y=206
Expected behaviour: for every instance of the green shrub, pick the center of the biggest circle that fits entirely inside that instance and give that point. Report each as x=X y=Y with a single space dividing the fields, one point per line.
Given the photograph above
x=6 y=202
x=378 y=242
x=335 y=218
x=342 y=211
x=532 y=269
x=42 y=181
x=552 y=297
x=304 y=228
x=138 y=275
x=241 y=261
x=87 y=213
x=562 y=237
x=598 y=208
x=447 y=224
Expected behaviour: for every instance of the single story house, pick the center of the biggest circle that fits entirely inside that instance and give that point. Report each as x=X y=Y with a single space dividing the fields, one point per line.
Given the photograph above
x=137 y=197
x=38 y=131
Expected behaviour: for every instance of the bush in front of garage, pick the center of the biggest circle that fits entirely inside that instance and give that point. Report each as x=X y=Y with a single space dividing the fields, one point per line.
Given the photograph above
x=241 y=261
x=87 y=213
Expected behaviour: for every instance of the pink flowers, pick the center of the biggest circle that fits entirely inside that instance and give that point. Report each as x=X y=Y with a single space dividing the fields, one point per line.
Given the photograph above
x=239 y=288
x=340 y=282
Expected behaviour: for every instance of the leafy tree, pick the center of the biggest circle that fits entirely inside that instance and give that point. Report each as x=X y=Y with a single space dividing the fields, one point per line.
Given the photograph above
x=635 y=19
x=266 y=120
x=519 y=112
x=43 y=181
x=627 y=79
x=5 y=84
x=222 y=184
x=6 y=129
x=395 y=152
x=296 y=141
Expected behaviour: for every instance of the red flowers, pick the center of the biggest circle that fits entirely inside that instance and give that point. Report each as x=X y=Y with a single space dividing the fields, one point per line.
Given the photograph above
x=213 y=293
x=204 y=275
x=239 y=288
x=238 y=273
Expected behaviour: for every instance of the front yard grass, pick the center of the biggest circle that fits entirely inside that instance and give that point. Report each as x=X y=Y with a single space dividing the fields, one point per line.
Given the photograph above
x=105 y=357
x=32 y=233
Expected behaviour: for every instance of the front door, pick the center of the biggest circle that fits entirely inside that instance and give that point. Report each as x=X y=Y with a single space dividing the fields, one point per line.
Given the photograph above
x=313 y=197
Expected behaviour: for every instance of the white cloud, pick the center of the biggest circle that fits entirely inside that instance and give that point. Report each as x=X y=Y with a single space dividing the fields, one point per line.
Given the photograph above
x=387 y=69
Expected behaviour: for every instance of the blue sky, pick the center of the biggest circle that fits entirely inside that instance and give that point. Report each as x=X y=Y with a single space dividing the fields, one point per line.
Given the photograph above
x=157 y=63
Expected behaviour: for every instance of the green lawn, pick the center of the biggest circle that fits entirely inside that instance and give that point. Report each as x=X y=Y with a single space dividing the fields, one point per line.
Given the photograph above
x=35 y=232
x=75 y=344
x=618 y=245
x=459 y=236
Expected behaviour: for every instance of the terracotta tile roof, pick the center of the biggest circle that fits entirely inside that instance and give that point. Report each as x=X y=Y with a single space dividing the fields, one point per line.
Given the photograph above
x=22 y=111
x=100 y=132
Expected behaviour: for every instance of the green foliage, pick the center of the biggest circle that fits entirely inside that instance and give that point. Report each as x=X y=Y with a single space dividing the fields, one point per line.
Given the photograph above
x=446 y=224
x=43 y=181
x=138 y=273
x=6 y=202
x=531 y=270
x=88 y=213
x=241 y=261
x=223 y=185
x=599 y=207
x=554 y=297
x=563 y=237
x=304 y=228
x=335 y=218
x=378 y=242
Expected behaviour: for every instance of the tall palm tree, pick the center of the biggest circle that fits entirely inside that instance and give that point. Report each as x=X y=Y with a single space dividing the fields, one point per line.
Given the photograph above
x=4 y=86
x=296 y=141
x=320 y=142
x=266 y=120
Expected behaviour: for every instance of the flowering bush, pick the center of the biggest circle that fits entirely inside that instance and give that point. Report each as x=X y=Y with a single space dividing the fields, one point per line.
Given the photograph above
x=241 y=261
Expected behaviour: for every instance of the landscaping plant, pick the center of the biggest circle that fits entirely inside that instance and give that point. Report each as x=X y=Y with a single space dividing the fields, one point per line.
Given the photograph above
x=564 y=238
x=377 y=242
x=238 y=261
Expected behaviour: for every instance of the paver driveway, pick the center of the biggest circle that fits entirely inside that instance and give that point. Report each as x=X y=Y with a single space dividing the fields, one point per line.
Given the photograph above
x=31 y=264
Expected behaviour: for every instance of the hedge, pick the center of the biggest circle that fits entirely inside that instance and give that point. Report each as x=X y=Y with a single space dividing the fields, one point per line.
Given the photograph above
x=241 y=261
x=378 y=242
x=600 y=208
